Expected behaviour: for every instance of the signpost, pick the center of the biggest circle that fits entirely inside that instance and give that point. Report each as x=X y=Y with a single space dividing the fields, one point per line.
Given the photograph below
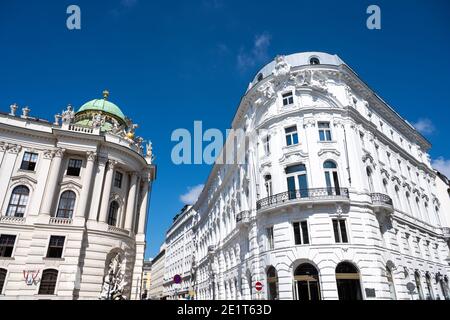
x=411 y=287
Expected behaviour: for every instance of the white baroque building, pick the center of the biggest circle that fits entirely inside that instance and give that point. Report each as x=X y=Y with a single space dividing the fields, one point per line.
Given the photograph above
x=179 y=256
x=74 y=198
x=336 y=199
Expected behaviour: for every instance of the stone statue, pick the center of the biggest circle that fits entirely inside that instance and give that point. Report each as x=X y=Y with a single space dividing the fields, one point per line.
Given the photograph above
x=282 y=68
x=98 y=120
x=149 y=151
x=114 y=281
x=68 y=115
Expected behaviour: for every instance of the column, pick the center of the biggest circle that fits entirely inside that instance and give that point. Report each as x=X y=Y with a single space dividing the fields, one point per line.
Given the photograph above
x=87 y=181
x=97 y=190
x=52 y=182
x=107 y=191
x=143 y=209
x=131 y=202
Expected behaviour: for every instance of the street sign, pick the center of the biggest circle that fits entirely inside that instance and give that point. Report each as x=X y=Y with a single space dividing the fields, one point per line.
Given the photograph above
x=177 y=279
x=258 y=286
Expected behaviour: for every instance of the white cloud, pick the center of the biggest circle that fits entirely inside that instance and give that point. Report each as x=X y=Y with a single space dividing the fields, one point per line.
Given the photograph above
x=192 y=195
x=258 y=53
x=424 y=126
x=442 y=165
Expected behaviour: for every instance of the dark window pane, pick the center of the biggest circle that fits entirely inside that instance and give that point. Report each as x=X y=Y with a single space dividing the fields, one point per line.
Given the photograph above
x=29 y=161
x=48 y=281
x=74 y=167
x=18 y=202
x=295 y=138
x=305 y=232
x=2 y=279
x=343 y=231
x=112 y=216
x=336 y=231
x=118 y=179
x=55 y=247
x=7 y=245
x=66 y=204
x=297 y=236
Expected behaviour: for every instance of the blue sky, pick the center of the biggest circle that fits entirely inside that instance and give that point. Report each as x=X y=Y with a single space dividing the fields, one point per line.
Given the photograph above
x=168 y=64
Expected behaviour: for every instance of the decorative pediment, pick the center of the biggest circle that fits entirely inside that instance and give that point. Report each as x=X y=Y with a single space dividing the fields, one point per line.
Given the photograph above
x=293 y=156
x=25 y=179
x=397 y=179
x=367 y=156
x=327 y=151
x=424 y=196
x=406 y=185
x=71 y=184
x=416 y=191
x=385 y=173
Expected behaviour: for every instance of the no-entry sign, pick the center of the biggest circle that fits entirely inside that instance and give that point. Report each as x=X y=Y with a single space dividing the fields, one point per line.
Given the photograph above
x=258 y=286
x=177 y=278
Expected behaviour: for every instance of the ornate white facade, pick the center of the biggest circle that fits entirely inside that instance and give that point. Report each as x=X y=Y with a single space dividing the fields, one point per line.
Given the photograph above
x=74 y=198
x=179 y=256
x=336 y=199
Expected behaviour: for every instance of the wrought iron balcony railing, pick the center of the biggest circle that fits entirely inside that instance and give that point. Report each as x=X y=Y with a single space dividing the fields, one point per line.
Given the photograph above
x=381 y=199
x=303 y=194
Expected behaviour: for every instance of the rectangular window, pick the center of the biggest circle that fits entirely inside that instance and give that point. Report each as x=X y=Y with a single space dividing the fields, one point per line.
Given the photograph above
x=301 y=235
x=269 y=234
x=55 y=247
x=118 y=179
x=340 y=231
x=324 y=131
x=7 y=245
x=266 y=145
x=288 y=98
x=29 y=161
x=291 y=135
x=74 y=167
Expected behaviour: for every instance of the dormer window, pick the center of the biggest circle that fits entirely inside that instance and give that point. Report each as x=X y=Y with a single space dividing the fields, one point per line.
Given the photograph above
x=288 y=98
x=260 y=77
x=314 y=60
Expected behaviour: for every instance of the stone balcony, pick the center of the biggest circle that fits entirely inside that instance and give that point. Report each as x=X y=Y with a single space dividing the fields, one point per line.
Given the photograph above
x=12 y=220
x=60 y=221
x=304 y=196
x=243 y=218
x=382 y=203
x=117 y=230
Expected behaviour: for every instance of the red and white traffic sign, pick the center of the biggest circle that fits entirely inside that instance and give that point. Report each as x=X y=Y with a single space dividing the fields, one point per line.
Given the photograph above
x=258 y=286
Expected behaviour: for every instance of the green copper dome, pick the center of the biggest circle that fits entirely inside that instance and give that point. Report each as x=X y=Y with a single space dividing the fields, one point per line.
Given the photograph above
x=104 y=106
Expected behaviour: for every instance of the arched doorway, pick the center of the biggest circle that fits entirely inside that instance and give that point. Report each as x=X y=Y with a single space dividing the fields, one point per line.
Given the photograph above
x=306 y=282
x=272 y=283
x=348 y=282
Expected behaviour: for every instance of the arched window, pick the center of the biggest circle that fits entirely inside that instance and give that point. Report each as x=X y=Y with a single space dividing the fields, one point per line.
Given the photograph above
x=112 y=214
x=48 y=281
x=430 y=295
x=419 y=214
x=2 y=279
x=66 y=205
x=348 y=282
x=331 y=178
x=418 y=285
x=314 y=60
x=18 y=201
x=272 y=283
x=306 y=282
x=390 y=279
x=297 y=181
x=268 y=184
x=370 y=178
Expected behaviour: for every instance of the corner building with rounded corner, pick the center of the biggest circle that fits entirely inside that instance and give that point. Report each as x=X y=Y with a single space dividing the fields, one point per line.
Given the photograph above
x=336 y=199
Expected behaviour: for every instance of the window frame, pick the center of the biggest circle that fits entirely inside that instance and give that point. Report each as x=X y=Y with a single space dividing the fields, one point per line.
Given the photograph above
x=117 y=213
x=4 y=248
x=293 y=135
x=65 y=209
x=301 y=233
x=62 y=248
x=325 y=131
x=28 y=162
x=55 y=285
x=118 y=181
x=76 y=160
x=2 y=286
x=270 y=239
x=17 y=204
x=287 y=98
x=266 y=145
x=339 y=230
